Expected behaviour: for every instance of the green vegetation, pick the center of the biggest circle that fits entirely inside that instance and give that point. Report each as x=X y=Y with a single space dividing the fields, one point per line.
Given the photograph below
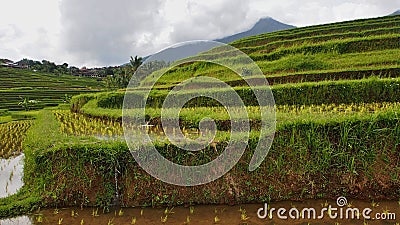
x=337 y=94
x=8 y=116
x=47 y=89
x=22 y=202
x=313 y=93
x=77 y=124
x=121 y=76
x=368 y=46
x=331 y=156
x=341 y=28
x=52 y=157
x=11 y=142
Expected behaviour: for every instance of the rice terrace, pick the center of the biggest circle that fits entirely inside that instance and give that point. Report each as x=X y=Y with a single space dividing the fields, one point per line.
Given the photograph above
x=336 y=89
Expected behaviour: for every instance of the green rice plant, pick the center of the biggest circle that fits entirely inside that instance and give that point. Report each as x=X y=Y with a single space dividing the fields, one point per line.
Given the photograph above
x=12 y=135
x=164 y=219
x=78 y=124
x=187 y=220
x=217 y=219
x=110 y=221
x=133 y=221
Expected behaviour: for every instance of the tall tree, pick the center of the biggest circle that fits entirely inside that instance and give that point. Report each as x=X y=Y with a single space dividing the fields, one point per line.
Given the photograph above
x=135 y=62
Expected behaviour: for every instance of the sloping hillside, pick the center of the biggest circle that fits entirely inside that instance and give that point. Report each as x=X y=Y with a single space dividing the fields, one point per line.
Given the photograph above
x=49 y=89
x=346 y=50
x=395 y=13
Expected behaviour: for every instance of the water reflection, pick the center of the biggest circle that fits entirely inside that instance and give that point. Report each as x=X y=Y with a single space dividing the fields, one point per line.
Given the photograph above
x=11 y=172
x=23 y=220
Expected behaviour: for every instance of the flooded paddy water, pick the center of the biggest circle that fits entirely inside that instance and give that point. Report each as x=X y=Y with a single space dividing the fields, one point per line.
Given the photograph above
x=11 y=171
x=216 y=214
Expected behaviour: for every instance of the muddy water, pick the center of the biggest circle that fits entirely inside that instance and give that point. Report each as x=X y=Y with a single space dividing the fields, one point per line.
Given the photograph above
x=212 y=214
x=11 y=171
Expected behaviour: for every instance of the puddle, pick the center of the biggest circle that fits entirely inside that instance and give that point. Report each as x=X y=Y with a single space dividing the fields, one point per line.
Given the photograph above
x=11 y=172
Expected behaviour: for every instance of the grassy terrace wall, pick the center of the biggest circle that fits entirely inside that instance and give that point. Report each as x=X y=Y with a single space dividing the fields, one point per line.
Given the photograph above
x=326 y=92
x=357 y=158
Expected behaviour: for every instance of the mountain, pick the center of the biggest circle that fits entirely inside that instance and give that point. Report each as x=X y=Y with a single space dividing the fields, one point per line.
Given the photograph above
x=395 y=13
x=264 y=25
x=182 y=51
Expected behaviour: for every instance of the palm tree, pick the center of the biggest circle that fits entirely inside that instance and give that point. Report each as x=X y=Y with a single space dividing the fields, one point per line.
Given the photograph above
x=27 y=104
x=135 y=62
x=24 y=103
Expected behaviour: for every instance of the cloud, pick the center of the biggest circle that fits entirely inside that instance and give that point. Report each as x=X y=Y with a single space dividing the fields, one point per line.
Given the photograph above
x=24 y=24
x=102 y=32
x=211 y=21
x=108 y=32
x=10 y=32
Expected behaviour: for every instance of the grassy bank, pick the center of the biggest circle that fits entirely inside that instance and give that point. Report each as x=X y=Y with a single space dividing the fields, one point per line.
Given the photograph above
x=358 y=158
x=21 y=203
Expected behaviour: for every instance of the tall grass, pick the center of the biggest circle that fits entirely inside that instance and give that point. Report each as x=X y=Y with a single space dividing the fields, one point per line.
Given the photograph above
x=325 y=92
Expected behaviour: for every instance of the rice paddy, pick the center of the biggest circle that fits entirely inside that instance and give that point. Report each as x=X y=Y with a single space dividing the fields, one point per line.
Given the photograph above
x=46 y=89
x=80 y=125
x=103 y=125
x=240 y=214
x=11 y=136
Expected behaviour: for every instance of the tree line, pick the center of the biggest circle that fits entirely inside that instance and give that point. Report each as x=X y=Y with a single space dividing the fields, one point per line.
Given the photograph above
x=119 y=77
x=115 y=77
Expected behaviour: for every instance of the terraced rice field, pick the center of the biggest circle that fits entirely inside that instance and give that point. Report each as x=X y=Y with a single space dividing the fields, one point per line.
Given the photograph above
x=336 y=89
x=337 y=94
x=49 y=89
x=11 y=137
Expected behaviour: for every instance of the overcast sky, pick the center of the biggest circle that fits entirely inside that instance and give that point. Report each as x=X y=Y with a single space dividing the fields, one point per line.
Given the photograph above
x=104 y=32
